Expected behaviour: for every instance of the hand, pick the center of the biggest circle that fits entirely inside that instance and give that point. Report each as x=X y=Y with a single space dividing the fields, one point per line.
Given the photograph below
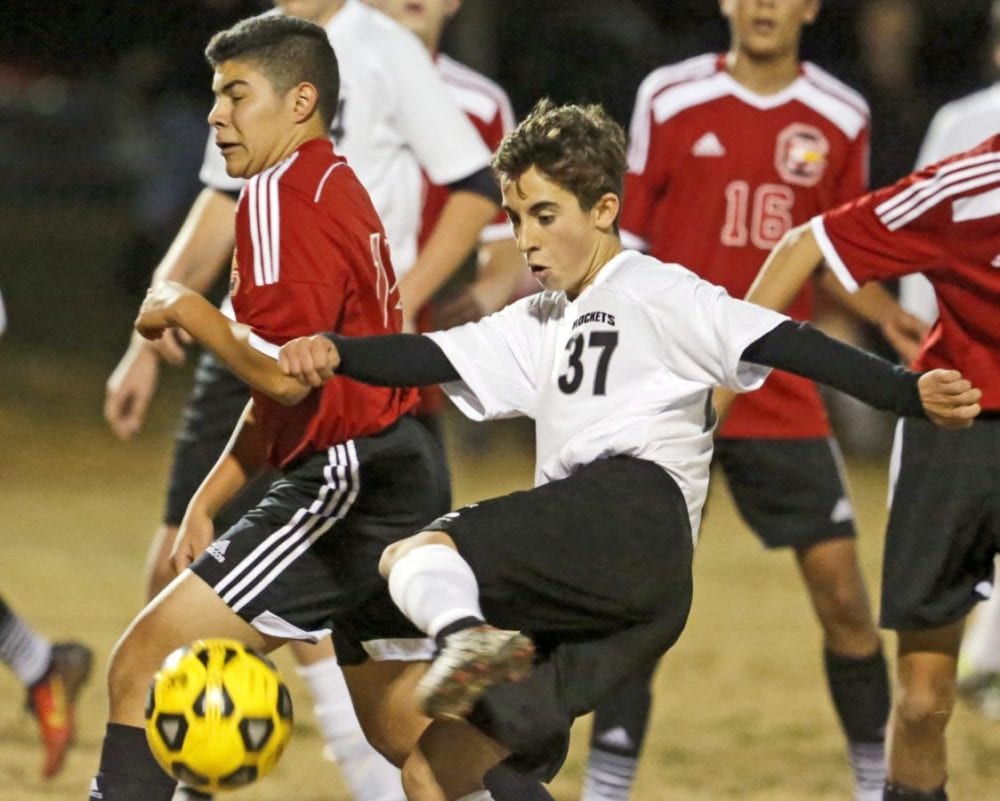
x=159 y=309
x=905 y=333
x=311 y=360
x=171 y=345
x=949 y=400
x=465 y=307
x=194 y=536
x=130 y=388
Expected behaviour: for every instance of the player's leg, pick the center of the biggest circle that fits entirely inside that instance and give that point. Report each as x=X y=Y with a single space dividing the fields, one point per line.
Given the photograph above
x=979 y=659
x=616 y=739
x=52 y=676
x=189 y=609
x=793 y=493
x=925 y=672
x=939 y=550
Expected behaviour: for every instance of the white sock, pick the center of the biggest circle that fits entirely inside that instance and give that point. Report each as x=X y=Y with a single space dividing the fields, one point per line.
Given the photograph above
x=26 y=653
x=368 y=775
x=479 y=795
x=981 y=647
x=434 y=586
x=868 y=764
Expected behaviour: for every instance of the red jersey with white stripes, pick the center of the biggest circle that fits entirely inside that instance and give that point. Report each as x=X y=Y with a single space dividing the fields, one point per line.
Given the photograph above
x=311 y=256
x=943 y=221
x=717 y=175
x=488 y=108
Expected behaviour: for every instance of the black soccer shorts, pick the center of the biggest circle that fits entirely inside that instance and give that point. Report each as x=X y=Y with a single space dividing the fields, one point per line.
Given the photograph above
x=791 y=492
x=595 y=567
x=944 y=523
x=309 y=550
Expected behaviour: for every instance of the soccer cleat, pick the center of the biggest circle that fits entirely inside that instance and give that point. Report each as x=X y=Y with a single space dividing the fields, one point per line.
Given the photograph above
x=472 y=661
x=51 y=700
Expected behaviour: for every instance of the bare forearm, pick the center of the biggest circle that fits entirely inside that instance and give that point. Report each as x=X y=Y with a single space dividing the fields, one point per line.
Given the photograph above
x=203 y=245
x=790 y=264
x=873 y=303
x=454 y=236
x=499 y=275
x=243 y=457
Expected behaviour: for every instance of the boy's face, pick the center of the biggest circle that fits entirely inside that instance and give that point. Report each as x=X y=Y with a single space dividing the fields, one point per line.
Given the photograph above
x=559 y=240
x=253 y=123
x=768 y=28
x=425 y=18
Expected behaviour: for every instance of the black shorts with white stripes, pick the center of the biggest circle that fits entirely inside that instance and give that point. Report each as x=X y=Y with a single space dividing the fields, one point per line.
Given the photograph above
x=791 y=492
x=310 y=548
x=944 y=523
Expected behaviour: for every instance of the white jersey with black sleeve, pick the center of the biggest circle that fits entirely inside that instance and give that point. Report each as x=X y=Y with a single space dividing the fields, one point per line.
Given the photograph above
x=396 y=116
x=626 y=368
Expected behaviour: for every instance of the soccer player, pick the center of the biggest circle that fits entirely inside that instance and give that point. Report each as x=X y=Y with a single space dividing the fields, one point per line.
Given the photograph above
x=727 y=152
x=394 y=122
x=356 y=471
x=616 y=361
x=942 y=221
x=958 y=126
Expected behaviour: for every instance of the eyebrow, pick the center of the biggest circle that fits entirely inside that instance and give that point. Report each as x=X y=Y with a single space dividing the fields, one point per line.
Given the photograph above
x=232 y=84
x=537 y=208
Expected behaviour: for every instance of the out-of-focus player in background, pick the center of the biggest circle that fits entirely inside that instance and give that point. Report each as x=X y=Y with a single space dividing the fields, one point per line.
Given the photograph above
x=957 y=126
x=52 y=673
x=727 y=152
x=944 y=521
x=395 y=122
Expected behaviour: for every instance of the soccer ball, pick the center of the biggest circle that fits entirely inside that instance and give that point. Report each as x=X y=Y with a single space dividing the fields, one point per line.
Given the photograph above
x=218 y=715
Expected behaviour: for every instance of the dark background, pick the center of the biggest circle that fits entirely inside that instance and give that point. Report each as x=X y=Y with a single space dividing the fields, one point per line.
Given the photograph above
x=102 y=107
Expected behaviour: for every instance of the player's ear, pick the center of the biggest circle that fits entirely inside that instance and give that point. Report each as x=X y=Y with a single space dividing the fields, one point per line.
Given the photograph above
x=811 y=11
x=304 y=100
x=726 y=7
x=605 y=210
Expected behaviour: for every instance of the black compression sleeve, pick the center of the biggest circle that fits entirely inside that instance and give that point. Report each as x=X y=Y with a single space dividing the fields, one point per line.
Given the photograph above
x=801 y=349
x=394 y=360
x=481 y=182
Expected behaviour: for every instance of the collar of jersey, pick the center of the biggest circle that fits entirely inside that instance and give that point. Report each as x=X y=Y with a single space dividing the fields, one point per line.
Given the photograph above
x=751 y=98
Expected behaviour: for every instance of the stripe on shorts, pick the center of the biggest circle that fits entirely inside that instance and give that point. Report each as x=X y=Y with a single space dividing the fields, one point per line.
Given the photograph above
x=258 y=569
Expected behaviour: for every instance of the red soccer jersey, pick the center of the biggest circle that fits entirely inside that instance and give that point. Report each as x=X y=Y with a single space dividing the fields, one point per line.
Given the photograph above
x=311 y=256
x=943 y=221
x=717 y=175
x=488 y=108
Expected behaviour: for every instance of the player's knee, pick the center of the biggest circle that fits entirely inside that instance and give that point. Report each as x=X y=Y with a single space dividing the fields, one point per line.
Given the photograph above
x=126 y=678
x=925 y=706
x=397 y=550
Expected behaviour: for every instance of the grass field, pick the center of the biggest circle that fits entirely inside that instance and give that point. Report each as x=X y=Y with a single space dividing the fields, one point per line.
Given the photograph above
x=741 y=709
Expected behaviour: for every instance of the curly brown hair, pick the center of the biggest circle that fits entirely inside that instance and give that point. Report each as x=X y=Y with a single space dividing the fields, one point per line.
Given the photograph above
x=578 y=147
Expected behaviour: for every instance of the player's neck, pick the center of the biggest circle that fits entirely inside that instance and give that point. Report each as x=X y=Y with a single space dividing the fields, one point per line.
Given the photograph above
x=762 y=76
x=329 y=14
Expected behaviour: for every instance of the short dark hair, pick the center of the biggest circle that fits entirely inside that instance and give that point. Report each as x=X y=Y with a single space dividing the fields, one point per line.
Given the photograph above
x=578 y=147
x=288 y=50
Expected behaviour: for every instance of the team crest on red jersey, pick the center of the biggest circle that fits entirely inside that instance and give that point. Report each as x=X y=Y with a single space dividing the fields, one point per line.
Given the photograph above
x=800 y=154
x=234 y=277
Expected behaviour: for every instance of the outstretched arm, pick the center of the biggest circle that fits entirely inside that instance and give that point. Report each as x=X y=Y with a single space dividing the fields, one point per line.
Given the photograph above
x=393 y=360
x=171 y=305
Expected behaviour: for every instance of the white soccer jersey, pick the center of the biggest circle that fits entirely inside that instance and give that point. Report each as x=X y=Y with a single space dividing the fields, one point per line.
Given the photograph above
x=624 y=369
x=957 y=126
x=395 y=117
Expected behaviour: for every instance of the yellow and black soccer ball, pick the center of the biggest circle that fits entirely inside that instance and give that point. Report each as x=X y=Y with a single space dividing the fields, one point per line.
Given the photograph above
x=218 y=715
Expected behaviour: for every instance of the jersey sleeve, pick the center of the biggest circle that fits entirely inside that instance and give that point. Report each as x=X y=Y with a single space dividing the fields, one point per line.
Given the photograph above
x=642 y=180
x=213 y=170
x=861 y=243
x=497 y=360
x=705 y=331
x=445 y=143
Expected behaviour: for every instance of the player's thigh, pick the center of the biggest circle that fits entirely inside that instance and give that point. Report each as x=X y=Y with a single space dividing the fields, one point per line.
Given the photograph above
x=601 y=550
x=383 y=694
x=791 y=492
x=944 y=523
x=457 y=754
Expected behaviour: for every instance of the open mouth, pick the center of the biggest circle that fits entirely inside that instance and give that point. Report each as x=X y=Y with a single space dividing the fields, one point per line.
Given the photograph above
x=763 y=26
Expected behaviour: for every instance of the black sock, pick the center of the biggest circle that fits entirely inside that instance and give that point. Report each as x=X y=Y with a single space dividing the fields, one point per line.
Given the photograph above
x=128 y=770
x=895 y=792
x=507 y=784
x=860 y=691
x=616 y=739
x=459 y=625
